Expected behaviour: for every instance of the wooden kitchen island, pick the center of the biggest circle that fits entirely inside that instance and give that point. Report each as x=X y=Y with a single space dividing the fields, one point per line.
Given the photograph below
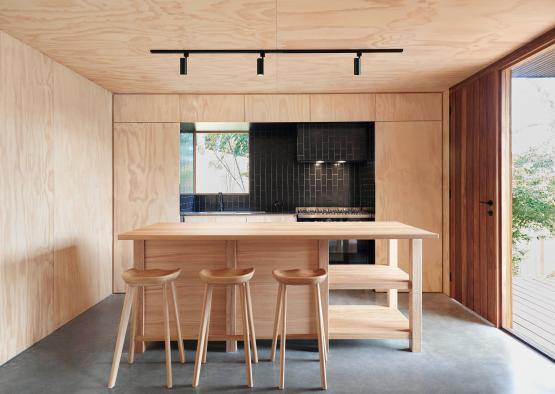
x=266 y=246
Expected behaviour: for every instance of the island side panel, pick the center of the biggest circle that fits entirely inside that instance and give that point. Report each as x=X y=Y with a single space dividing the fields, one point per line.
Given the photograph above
x=231 y=297
x=265 y=256
x=191 y=257
x=139 y=263
x=415 y=295
x=323 y=262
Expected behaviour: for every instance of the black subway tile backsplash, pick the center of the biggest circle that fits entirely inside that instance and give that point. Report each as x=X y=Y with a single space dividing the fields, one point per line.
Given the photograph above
x=232 y=202
x=187 y=203
x=278 y=182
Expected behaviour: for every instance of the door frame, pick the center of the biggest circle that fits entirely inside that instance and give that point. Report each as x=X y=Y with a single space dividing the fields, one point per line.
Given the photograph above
x=500 y=101
x=505 y=230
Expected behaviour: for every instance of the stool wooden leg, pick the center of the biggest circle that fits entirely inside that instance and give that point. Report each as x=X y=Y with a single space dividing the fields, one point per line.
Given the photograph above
x=178 y=324
x=320 y=325
x=168 y=347
x=134 y=308
x=206 y=336
x=276 y=323
x=206 y=304
x=124 y=320
x=325 y=347
x=283 y=337
x=251 y=324
x=317 y=288
x=244 y=310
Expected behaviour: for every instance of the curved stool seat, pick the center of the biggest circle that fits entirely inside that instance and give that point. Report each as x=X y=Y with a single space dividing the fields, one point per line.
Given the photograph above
x=299 y=277
x=134 y=279
x=227 y=277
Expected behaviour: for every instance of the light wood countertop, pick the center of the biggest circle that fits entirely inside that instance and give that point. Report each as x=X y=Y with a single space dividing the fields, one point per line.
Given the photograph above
x=297 y=230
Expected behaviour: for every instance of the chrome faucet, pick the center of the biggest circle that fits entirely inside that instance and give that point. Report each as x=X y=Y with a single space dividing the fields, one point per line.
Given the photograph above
x=220 y=201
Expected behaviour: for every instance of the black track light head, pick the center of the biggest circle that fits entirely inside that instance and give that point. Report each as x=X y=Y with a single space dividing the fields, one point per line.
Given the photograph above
x=260 y=65
x=183 y=64
x=357 y=64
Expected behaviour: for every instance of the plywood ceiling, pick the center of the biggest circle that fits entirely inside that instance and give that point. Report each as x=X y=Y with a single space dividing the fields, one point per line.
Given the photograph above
x=108 y=41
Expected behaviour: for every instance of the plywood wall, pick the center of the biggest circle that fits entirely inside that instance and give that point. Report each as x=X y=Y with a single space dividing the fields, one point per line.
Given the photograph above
x=56 y=193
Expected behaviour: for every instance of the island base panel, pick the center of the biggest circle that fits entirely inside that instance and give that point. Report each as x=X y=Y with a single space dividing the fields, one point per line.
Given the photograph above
x=341 y=321
x=264 y=256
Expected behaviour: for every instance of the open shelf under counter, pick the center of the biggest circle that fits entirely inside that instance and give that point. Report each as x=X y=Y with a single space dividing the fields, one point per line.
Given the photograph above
x=367 y=276
x=367 y=322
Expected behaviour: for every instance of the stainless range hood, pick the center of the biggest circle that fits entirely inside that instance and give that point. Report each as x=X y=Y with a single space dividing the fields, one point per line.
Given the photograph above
x=334 y=142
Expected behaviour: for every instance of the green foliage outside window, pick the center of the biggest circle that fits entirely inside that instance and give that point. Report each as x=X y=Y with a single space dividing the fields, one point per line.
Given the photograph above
x=533 y=201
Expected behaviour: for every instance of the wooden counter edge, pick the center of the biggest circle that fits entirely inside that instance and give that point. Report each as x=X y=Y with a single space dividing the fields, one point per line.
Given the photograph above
x=154 y=233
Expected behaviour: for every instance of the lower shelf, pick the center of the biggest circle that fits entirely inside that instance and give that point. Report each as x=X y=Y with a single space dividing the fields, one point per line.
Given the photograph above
x=367 y=276
x=367 y=322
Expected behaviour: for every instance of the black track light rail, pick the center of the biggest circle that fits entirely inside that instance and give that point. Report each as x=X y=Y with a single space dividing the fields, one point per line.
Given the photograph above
x=267 y=51
x=263 y=52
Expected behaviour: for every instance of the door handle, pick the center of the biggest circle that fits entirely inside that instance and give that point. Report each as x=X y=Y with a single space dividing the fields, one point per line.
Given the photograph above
x=488 y=202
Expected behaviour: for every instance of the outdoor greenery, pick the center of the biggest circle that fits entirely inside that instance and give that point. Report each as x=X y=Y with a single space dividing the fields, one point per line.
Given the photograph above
x=533 y=200
x=226 y=145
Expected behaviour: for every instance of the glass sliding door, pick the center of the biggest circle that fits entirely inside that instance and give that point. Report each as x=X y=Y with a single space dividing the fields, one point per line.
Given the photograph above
x=532 y=270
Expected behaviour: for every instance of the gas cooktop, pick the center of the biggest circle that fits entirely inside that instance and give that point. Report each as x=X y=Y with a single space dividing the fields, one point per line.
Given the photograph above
x=334 y=213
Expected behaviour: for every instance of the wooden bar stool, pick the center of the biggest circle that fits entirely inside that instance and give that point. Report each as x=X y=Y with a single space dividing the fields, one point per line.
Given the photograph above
x=227 y=277
x=299 y=277
x=134 y=279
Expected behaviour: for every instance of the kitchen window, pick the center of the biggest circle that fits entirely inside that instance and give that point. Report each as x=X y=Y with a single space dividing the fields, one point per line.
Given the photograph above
x=214 y=159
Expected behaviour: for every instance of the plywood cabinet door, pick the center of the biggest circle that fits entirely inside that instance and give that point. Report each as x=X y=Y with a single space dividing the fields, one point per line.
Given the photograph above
x=342 y=107
x=409 y=189
x=396 y=107
x=211 y=108
x=146 y=108
x=146 y=183
x=277 y=108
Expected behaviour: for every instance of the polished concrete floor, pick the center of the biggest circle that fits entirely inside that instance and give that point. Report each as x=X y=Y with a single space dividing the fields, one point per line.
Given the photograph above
x=461 y=354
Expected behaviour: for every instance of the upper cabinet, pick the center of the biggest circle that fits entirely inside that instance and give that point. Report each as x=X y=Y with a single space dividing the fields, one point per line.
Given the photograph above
x=277 y=108
x=356 y=107
x=160 y=108
x=212 y=108
x=147 y=108
x=400 y=107
x=342 y=107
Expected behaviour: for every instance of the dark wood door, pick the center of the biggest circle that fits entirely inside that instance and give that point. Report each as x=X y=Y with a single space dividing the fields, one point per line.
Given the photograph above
x=474 y=195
